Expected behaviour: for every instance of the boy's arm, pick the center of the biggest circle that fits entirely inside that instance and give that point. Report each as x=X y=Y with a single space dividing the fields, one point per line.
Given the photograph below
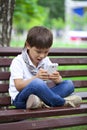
x=21 y=83
x=55 y=77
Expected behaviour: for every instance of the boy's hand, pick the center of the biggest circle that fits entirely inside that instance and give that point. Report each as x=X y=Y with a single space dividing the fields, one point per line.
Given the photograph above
x=42 y=74
x=55 y=77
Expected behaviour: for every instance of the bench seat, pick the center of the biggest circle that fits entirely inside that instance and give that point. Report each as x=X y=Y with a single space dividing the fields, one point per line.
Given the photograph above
x=69 y=60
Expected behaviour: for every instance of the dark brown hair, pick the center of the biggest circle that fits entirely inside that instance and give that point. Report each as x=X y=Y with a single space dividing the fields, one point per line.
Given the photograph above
x=39 y=37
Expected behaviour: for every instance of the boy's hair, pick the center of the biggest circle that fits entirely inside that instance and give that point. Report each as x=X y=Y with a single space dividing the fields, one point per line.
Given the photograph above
x=39 y=37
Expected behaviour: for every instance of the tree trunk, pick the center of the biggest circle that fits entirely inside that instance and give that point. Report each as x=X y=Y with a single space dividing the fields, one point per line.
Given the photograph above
x=6 y=15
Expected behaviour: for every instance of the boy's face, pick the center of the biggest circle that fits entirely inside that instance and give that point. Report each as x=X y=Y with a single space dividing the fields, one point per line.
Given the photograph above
x=36 y=55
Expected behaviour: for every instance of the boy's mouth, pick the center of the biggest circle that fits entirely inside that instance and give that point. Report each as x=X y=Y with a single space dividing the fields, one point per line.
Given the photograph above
x=39 y=60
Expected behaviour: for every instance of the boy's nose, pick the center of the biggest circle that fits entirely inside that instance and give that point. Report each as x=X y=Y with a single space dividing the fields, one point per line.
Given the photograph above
x=42 y=55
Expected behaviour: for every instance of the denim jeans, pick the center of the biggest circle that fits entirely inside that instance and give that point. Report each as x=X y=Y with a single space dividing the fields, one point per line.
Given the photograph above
x=51 y=96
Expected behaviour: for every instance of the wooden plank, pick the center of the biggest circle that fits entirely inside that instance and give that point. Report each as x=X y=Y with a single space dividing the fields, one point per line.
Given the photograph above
x=4 y=75
x=5 y=101
x=73 y=73
x=68 y=52
x=45 y=124
x=20 y=114
x=10 y=51
x=80 y=83
x=4 y=87
x=13 y=51
x=82 y=94
x=5 y=62
x=70 y=61
x=64 y=73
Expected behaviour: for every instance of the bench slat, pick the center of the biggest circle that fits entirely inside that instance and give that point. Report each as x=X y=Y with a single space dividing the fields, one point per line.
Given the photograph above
x=5 y=62
x=82 y=94
x=73 y=73
x=68 y=52
x=13 y=51
x=80 y=84
x=70 y=61
x=45 y=124
x=4 y=88
x=10 y=51
x=64 y=73
x=14 y=115
x=4 y=75
x=5 y=101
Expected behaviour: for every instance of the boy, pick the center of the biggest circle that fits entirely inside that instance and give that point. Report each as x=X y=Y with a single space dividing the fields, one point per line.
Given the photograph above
x=28 y=81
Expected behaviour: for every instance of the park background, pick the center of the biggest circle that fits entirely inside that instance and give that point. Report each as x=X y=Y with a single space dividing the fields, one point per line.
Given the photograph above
x=52 y=14
x=67 y=19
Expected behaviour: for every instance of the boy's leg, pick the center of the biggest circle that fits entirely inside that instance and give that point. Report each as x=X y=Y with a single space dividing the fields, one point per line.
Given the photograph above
x=34 y=102
x=39 y=88
x=67 y=88
x=64 y=89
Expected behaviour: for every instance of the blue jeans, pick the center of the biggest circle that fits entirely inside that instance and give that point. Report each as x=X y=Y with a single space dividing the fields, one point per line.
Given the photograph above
x=51 y=96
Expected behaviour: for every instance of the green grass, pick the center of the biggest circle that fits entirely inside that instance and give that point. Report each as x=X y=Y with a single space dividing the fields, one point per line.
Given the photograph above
x=69 y=44
x=56 y=43
x=17 y=43
x=74 y=128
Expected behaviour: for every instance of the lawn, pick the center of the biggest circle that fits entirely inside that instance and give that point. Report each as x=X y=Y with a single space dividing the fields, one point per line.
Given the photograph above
x=56 y=43
x=69 y=44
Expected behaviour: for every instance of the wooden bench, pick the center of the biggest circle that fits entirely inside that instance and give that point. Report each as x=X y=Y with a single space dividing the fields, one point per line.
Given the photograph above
x=46 y=118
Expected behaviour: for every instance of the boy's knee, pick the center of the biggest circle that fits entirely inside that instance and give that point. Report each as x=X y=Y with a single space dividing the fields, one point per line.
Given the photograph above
x=38 y=86
x=37 y=83
x=70 y=84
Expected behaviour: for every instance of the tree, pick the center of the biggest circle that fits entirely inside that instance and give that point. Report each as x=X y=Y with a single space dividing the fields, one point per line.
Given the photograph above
x=56 y=7
x=28 y=13
x=6 y=15
x=56 y=12
x=25 y=12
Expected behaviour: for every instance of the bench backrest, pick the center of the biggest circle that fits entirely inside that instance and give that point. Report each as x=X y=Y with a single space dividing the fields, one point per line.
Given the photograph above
x=72 y=65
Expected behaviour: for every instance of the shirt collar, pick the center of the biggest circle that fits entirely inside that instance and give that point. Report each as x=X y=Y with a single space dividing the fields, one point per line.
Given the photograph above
x=40 y=65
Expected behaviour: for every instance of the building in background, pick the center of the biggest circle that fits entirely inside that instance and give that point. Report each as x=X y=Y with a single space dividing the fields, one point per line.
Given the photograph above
x=76 y=19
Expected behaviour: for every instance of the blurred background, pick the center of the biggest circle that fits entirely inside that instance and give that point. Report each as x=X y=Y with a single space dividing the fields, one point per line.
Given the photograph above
x=67 y=19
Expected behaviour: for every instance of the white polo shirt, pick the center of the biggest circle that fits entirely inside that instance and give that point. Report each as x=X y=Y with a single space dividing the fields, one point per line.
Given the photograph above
x=19 y=70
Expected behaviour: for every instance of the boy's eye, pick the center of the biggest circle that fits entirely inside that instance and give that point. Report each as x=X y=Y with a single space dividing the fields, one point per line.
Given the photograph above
x=46 y=52
x=41 y=52
x=38 y=51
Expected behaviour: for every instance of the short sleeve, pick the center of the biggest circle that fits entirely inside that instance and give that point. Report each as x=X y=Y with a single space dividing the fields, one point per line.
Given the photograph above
x=16 y=69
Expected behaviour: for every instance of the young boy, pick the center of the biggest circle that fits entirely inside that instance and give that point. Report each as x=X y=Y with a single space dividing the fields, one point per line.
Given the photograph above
x=28 y=81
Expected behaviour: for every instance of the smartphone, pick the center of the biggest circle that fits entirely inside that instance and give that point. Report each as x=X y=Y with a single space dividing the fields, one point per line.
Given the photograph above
x=51 y=68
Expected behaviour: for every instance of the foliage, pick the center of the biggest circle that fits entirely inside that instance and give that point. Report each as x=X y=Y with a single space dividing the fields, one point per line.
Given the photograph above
x=25 y=10
x=56 y=7
x=40 y=19
x=58 y=23
x=28 y=13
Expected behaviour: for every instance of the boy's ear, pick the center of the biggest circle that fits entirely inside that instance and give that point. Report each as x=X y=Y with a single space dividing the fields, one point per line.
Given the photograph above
x=27 y=46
